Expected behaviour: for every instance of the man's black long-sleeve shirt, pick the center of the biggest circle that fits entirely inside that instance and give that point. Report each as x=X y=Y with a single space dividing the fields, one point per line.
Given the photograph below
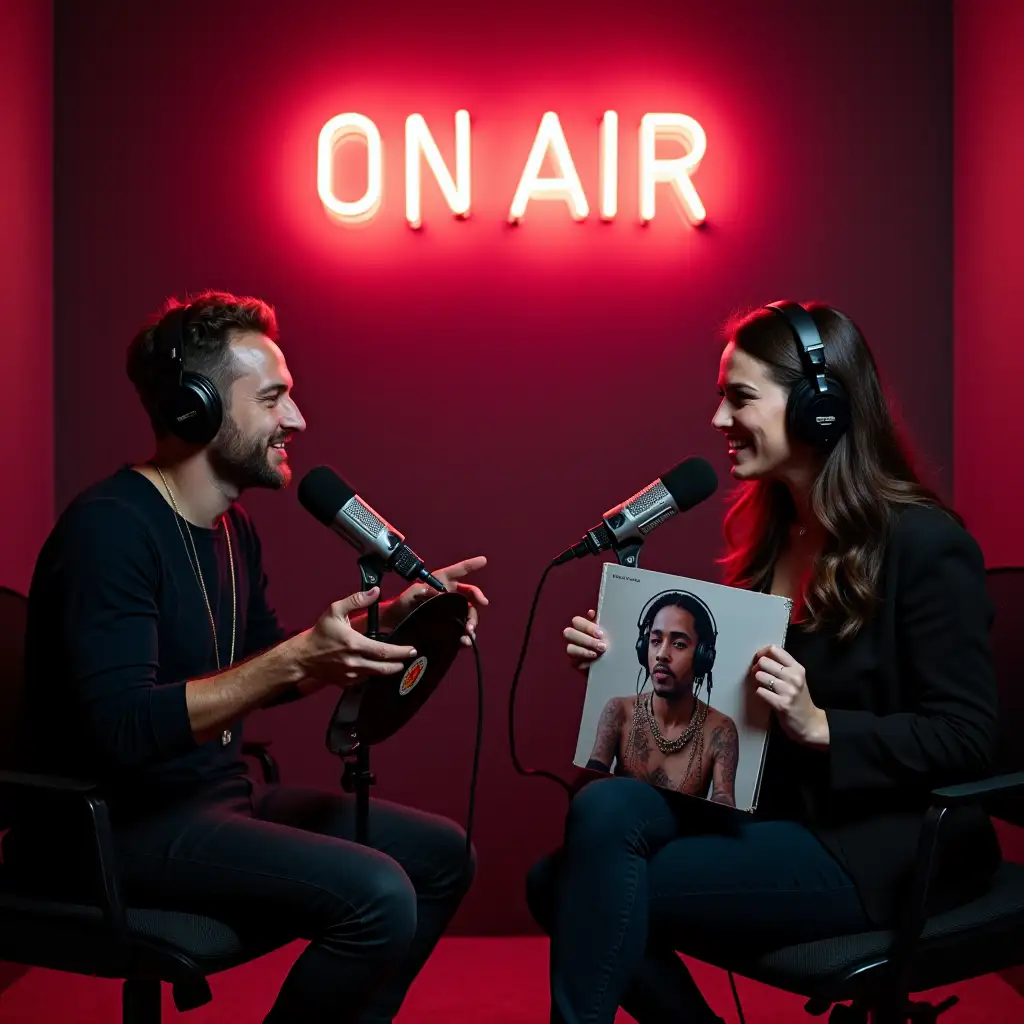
x=117 y=625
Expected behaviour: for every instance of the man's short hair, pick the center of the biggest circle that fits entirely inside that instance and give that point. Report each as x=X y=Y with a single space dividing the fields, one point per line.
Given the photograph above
x=213 y=320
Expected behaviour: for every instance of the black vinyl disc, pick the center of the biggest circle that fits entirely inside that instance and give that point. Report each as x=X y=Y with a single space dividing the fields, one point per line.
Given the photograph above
x=375 y=710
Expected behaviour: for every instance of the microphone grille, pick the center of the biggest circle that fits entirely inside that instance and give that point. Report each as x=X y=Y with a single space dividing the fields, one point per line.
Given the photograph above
x=694 y=480
x=366 y=519
x=322 y=493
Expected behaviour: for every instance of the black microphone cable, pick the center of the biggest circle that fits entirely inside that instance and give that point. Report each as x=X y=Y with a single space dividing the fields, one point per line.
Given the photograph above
x=537 y=772
x=475 y=775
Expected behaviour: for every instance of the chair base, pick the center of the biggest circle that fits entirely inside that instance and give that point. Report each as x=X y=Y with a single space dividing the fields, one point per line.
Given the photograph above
x=140 y=1001
x=900 y=1011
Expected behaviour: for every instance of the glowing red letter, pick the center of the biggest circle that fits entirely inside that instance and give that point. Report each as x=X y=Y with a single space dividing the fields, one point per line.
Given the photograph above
x=418 y=140
x=565 y=186
x=337 y=131
x=676 y=171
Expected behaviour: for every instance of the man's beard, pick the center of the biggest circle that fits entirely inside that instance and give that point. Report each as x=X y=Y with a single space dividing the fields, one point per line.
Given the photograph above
x=671 y=688
x=245 y=461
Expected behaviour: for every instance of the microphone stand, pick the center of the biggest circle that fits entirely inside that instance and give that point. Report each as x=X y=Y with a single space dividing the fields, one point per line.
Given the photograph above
x=355 y=755
x=629 y=554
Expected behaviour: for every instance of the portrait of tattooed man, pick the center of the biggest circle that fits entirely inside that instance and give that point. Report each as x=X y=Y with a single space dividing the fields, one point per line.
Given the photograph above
x=669 y=736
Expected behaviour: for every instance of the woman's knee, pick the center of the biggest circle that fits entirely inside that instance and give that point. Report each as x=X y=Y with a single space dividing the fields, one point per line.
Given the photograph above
x=610 y=810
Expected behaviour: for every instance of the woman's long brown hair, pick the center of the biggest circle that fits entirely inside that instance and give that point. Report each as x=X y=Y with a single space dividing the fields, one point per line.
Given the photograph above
x=863 y=481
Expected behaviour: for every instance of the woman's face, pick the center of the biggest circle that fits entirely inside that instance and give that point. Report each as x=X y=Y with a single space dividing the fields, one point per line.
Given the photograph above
x=752 y=415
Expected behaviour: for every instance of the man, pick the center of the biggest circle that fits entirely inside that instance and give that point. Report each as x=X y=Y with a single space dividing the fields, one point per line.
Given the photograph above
x=668 y=737
x=151 y=638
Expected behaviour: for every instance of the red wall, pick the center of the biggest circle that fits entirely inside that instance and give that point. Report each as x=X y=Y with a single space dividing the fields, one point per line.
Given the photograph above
x=488 y=389
x=988 y=354
x=26 y=284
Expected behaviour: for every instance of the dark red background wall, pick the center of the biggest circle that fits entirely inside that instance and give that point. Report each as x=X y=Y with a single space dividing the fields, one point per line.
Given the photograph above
x=989 y=357
x=26 y=285
x=494 y=390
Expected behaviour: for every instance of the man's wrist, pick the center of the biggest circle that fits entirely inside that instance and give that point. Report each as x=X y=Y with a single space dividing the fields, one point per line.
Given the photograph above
x=295 y=661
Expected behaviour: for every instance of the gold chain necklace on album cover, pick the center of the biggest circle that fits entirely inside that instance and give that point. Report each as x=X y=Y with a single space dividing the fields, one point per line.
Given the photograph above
x=643 y=715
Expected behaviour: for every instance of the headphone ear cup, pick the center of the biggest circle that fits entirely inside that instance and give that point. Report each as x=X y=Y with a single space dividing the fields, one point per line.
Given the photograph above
x=796 y=411
x=829 y=414
x=703 y=659
x=194 y=411
x=818 y=419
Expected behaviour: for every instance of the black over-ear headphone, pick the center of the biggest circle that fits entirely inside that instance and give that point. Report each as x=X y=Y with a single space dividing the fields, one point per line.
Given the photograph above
x=189 y=405
x=818 y=410
x=704 y=653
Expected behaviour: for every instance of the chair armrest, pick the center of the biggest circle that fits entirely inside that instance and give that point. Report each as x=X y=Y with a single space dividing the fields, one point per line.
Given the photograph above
x=983 y=792
x=260 y=749
x=59 y=792
x=54 y=784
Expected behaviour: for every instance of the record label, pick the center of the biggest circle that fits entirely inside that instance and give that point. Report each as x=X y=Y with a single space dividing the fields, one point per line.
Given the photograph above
x=412 y=676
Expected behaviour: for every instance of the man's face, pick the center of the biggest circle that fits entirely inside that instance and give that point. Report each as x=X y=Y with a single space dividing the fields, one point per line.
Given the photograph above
x=670 y=652
x=260 y=417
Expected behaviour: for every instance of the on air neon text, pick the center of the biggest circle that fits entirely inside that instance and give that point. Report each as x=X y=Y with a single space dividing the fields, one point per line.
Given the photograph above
x=684 y=135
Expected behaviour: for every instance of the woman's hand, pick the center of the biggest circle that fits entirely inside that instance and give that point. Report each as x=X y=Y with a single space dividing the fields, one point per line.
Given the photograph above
x=586 y=641
x=782 y=684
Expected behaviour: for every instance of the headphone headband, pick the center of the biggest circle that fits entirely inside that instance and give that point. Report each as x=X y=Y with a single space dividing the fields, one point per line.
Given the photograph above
x=812 y=348
x=683 y=593
x=818 y=409
x=170 y=343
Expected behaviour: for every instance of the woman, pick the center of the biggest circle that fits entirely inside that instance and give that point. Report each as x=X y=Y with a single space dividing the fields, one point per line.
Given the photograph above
x=885 y=690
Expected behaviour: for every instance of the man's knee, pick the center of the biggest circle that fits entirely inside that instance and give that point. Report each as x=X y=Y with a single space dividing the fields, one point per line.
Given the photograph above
x=382 y=919
x=453 y=867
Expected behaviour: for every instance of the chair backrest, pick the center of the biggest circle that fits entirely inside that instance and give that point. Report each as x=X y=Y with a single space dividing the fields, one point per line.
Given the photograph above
x=1006 y=589
x=13 y=620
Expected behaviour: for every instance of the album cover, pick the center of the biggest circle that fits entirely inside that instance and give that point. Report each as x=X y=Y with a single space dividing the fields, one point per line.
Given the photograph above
x=670 y=701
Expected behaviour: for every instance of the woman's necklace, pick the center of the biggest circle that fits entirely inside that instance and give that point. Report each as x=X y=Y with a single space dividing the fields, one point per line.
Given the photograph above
x=197 y=569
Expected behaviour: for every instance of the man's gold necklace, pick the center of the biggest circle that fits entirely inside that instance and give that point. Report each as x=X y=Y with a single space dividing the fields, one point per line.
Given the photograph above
x=197 y=569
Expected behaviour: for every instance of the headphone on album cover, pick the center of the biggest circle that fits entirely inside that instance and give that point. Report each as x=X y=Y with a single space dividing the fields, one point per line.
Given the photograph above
x=189 y=403
x=818 y=410
x=704 y=652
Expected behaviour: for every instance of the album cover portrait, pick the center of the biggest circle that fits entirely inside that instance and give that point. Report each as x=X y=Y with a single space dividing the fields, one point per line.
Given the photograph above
x=670 y=702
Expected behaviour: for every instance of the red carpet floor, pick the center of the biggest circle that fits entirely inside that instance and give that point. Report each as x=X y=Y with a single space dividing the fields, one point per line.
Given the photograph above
x=468 y=981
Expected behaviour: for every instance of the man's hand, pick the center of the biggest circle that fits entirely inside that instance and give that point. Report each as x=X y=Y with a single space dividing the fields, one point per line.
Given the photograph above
x=333 y=651
x=395 y=611
x=782 y=684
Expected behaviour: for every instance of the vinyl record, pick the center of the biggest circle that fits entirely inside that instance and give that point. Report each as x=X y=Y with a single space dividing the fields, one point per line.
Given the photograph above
x=375 y=710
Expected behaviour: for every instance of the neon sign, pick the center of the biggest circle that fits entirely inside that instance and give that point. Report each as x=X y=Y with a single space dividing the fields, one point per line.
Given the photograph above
x=564 y=186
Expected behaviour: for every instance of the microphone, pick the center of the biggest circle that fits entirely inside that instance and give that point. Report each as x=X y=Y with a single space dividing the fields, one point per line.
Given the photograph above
x=328 y=498
x=688 y=484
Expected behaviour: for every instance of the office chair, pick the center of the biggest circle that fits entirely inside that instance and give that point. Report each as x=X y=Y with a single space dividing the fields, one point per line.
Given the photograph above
x=876 y=972
x=141 y=946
